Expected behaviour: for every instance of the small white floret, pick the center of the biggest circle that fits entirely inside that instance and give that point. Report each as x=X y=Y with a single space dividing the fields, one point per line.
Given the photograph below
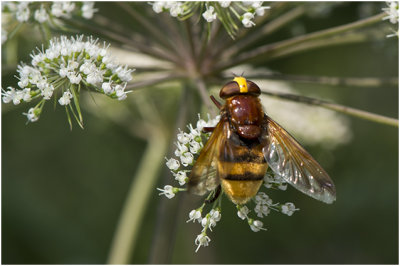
x=173 y=164
x=168 y=191
x=194 y=215
x=209 y=14
x=202 y=240
x=66 y=98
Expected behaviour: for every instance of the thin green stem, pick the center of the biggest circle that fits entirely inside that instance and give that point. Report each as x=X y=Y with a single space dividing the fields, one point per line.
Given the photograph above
x=190 y=36
x=134 y=43
x=153 y=81
x=369 y=82
x=156 y=32
x=142 y=187
x=201 y=87
x=282 y=20
x=14 y=31
x=336 y=107
x=166 y=226
x=307 y=39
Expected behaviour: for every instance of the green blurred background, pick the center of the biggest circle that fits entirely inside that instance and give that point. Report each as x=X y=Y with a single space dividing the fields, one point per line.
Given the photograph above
x=62 y=190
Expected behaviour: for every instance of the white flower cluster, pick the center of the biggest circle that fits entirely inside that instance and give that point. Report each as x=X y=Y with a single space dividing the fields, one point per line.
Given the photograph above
x=207 y=222
x=255 y=225
x=174 y=8
x=263 y=207
x=169 y=191
x=264 y=204
x=392 y=10
x=273 y=180
x=189 y=145
x=254 y=8
x=42 y=11
x=245 y=11
x=45 y=12
x=69 y=64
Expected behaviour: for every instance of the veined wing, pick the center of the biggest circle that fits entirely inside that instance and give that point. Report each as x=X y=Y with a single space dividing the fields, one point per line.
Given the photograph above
x=203 y=176
x=290 y=160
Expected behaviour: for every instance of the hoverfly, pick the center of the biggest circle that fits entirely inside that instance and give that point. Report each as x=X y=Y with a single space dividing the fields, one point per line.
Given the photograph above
x=242 y=146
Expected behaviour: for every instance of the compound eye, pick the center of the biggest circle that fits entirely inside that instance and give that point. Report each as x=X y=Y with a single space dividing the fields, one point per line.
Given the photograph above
x=239 y=85
x=253 y=88
x=231 y=88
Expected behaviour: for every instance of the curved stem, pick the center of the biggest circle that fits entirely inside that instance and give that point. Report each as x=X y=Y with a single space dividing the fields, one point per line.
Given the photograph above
x=306 y=41
x=134 y=43
x=201 y=86
x=153 y=81
x=139 y=193
x=336 y=107
x=266 y=29
x=155 y=31
x=370 y=82
x=163 y=240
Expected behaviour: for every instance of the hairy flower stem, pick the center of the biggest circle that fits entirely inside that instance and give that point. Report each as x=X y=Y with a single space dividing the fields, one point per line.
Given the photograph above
x=137 y=199
x=336 y=107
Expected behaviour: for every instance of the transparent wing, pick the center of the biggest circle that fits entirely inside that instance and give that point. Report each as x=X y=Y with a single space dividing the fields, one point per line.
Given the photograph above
x=295 y=165
x=203 y=176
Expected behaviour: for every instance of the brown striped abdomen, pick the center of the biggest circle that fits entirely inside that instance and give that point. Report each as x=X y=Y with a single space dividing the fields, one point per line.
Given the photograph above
x=241 y=170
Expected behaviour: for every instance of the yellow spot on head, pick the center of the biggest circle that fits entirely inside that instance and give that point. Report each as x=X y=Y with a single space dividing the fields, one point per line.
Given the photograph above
x=241 y=81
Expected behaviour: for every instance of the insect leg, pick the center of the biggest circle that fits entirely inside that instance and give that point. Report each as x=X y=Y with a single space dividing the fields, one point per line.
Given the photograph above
x=217 y=192
x=208 y=129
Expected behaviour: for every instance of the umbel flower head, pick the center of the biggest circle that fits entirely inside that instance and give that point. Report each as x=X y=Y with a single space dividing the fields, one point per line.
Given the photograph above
x=188 y=147
x=228 y=12
x=42 y=13
x=62 y=70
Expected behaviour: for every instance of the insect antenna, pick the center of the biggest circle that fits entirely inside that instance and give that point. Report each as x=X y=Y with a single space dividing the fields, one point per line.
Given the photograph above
x=218 y=104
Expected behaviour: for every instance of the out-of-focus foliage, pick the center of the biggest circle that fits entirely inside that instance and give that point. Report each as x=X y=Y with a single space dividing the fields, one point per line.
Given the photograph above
x=63 y=191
